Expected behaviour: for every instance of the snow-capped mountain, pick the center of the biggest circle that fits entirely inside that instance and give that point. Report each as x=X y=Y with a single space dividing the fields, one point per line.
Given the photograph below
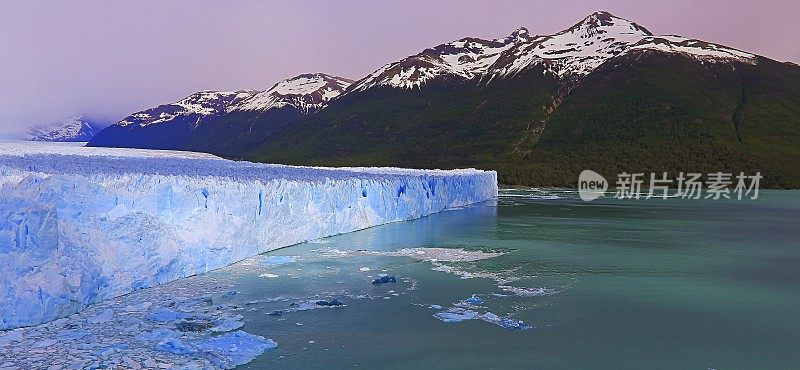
x=210 y=120
x=72 y=129
x=602 y=93
x=198 y=107
x=306 y=92
x=466 y=58
x=571 y=53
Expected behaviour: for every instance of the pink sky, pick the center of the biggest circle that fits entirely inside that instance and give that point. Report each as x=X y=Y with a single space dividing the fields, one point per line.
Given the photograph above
x=111 y=58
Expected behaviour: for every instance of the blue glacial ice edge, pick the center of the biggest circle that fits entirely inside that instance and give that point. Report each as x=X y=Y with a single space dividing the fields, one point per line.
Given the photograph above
x=76 y=229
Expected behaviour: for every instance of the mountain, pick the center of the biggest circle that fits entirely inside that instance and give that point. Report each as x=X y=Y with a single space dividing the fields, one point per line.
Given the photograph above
x=72 y=129
x=215 y=121
x=169 y=126
x=604 y=94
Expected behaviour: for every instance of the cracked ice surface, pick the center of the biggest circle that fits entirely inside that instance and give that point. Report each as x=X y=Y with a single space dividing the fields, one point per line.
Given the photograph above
x=185 y=324
x=81 y=225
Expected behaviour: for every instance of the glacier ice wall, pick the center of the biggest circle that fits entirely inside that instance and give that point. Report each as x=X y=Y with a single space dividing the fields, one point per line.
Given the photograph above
x=77 y=227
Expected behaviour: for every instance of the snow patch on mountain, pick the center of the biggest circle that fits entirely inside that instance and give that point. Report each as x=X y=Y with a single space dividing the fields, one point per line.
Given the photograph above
x=306 y=92
x=197 y=106
x=466 y=58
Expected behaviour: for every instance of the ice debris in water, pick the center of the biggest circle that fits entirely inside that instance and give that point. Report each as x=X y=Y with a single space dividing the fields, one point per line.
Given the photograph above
x=474 y=300
x=278 y=260
x=332 y=303
x=227 y=325
x=225 y=351
x=506 y=322
x=309 y=305
x=527 y=292
x=464 y=310
x=456 y=315
x=421 y=253
x=383 y=279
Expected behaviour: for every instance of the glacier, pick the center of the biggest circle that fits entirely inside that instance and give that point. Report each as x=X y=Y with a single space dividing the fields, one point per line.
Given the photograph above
x=80 y=225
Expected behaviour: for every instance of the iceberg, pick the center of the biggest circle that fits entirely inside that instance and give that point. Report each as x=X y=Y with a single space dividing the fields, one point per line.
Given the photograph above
x=81 y=225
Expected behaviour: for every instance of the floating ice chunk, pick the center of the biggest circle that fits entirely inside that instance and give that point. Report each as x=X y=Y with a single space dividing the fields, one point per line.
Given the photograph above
x=268 y=275
x=278 y=260
x=227 y=325
x=364 y=269
x=456 y=315
x=303 y=306
x=385 y=279
x=436 y=307
x=102 y=317
x=506 y=322
x=474 y=300
x=233 y=349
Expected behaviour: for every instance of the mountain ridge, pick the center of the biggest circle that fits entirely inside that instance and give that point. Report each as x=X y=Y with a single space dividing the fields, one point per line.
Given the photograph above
x=505 y=103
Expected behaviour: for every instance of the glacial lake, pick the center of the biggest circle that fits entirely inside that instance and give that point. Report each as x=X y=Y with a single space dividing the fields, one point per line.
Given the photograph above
x=627 y=284
x=535 y=279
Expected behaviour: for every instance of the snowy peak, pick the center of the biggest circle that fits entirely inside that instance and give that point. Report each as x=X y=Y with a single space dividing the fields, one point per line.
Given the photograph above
x=518 y=36
x=306 y=92
x=466 y=58
x=198 y=105
x=571 y=53
x=577 y=50
x=74 y=129
x=604 y=22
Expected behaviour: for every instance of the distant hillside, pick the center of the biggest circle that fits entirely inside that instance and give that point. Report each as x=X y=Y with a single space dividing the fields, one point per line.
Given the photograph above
x=224 y=122
x=72 y=129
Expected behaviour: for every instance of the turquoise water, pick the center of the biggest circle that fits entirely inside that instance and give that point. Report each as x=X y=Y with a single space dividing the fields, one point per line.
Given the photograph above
x=625 y=284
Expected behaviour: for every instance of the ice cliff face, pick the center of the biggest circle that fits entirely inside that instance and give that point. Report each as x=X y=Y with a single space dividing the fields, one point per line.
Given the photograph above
x=87 y=225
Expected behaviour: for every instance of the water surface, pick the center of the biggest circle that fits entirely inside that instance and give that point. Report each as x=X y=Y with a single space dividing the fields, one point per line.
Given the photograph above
x=627 y=284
